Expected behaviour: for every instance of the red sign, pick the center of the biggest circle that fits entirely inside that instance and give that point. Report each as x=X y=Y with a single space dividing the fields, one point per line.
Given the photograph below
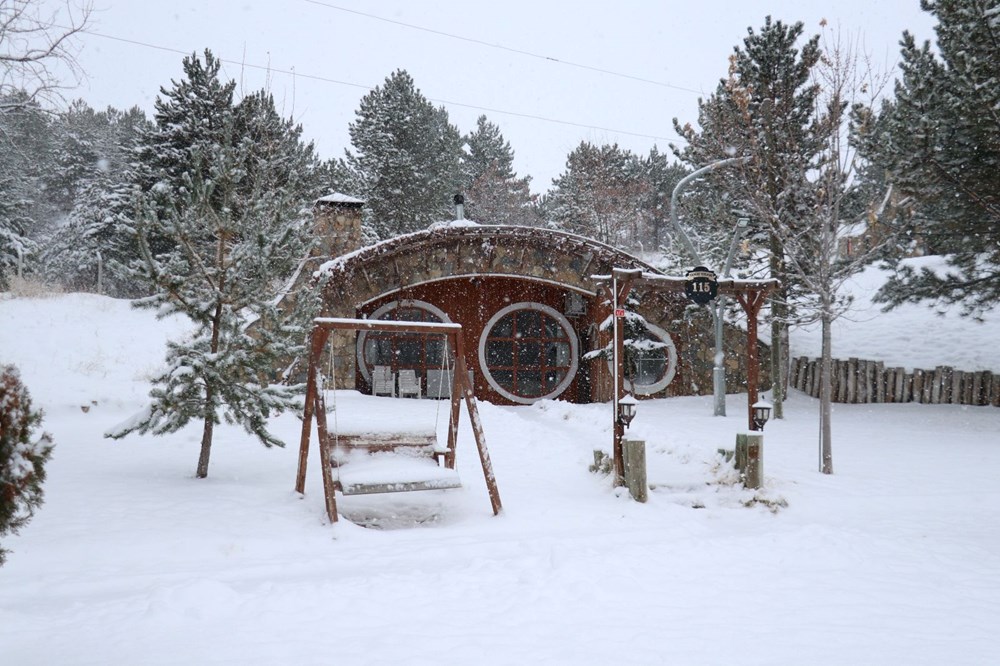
x=620 y=312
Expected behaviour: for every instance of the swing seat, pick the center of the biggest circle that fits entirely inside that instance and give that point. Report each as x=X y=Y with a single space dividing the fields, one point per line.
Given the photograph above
x=383 y=462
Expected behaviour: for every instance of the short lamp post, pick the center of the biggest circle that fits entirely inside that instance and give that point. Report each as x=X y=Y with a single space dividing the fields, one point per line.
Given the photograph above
x=626 y=409
x=761 y=414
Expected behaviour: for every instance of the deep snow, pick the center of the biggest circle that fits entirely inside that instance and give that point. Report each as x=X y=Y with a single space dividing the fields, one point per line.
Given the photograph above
x=893 y=559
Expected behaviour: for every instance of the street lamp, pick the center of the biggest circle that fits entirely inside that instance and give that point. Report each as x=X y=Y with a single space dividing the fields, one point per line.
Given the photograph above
x=761 y=413
x=626 y=409
x=719 y=371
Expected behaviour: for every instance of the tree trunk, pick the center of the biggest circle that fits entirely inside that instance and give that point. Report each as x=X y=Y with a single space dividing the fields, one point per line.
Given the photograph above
x=206 y=433
x=826 y=396
x=779 y=312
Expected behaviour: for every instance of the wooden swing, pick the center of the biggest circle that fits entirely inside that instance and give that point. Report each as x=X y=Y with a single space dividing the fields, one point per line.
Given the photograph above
x=383 y=462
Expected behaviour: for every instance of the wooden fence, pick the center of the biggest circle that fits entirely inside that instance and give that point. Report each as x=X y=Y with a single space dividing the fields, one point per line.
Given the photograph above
x=859 y=381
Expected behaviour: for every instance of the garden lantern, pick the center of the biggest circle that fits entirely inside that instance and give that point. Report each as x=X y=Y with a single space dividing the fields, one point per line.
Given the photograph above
x=761 y=413
x=626 y=409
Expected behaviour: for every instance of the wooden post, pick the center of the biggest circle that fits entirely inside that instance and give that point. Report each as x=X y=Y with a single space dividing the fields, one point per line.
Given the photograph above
x=879 y=381
x=852 y=380
x=749 y=458
x=635 y=469
x=462 y=384
x=752 y=302
x=619 y=428
x=325 y=463
x=956 y=387
x=317 y=342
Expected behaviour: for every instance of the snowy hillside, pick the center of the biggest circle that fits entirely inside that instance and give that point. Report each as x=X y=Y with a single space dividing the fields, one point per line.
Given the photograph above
x=911 y=335
x=894 y=559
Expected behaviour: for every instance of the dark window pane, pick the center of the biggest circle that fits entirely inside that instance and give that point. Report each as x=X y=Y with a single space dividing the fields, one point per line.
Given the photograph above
x=504 y=378
x=500 y=353
x=553 y=329
x=552 y=379
x=651 y=366
x=557 y=354
x=529 y=384
x=434 y=349
x=503 y=328
x=409 y=351
x=529 y=354
x=529 y=324
x=378 y=351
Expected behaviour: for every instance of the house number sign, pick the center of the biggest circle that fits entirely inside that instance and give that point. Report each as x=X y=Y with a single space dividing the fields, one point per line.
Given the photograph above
x=701 y=285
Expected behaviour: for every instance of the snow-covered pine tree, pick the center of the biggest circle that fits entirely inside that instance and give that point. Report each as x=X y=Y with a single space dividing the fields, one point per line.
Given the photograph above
x=220 y=274
x=25 y=159
x=663 y=177
x=406 y=157
x=939 y=141
x=100 y=221
x=22 y=455
x=494 y=193
x=218 y=229
x=601 y=194
x=192 y=118
x=638 y=343
x=765 y=110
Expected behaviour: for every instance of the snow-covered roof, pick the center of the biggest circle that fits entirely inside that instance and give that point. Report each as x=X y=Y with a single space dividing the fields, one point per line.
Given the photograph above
x=338 y=197
x=468 y=228
x=453 y=223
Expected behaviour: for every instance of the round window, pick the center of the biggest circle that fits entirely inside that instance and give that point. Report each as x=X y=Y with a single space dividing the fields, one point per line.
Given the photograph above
x=654 y=362
x=402 y=351
x=528 y=352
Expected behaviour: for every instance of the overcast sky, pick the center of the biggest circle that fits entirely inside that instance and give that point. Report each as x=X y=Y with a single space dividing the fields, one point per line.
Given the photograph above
x=517 y=61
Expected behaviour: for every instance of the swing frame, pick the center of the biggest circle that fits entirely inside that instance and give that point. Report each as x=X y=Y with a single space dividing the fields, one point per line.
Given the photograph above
x=315 y=406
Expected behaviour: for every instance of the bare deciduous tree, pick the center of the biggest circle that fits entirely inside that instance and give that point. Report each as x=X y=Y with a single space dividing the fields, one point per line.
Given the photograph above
x=38 y=44
x=844 y=78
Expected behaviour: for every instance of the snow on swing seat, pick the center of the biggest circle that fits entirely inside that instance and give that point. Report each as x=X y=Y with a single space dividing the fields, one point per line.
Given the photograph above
x=383 y=462
x=393 y=472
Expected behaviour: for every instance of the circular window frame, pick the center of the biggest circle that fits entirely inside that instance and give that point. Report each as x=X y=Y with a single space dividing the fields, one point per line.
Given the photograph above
x=663 y=382
x=574 y=351
x=381 y=310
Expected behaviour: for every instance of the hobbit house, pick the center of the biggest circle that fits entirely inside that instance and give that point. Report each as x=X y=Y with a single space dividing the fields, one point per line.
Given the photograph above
x=527 y=301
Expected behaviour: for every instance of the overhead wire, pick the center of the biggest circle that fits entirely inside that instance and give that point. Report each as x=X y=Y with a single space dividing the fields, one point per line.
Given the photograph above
x=502 y=47
x=324 y=79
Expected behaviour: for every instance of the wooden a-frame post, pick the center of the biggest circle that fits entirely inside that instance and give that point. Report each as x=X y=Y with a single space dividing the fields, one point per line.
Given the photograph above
x=315 y=406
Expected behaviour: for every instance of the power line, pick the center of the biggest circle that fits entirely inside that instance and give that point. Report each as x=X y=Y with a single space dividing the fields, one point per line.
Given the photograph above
x=324 y=79
x=501 y=47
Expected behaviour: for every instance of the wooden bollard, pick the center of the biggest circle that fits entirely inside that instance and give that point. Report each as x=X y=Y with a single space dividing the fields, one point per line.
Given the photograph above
x=634 y=451
x=750 y=458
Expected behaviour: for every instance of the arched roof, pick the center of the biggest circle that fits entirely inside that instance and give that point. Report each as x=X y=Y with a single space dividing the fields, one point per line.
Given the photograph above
x=462 y=249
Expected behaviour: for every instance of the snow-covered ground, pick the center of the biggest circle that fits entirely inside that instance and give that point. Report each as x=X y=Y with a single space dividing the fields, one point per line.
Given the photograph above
x=911 y=335
x=894 y=559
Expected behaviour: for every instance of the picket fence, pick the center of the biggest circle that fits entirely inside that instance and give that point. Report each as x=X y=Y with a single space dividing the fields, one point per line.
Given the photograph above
x=859 y=381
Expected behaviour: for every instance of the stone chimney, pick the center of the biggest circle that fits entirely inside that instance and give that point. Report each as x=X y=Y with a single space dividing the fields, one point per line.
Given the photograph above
x=336 y=225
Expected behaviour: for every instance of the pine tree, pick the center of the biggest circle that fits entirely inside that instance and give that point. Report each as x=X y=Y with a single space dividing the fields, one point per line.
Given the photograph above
x=406 y=157
x=192 y=117
x=220 y=275
x=22 y=455
x=765 y=111
x=218 y=227
x=25 y=159
x=100 y=187
x=939 y=143
x=494 y=193
x=601 y=194
x=663 y=177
